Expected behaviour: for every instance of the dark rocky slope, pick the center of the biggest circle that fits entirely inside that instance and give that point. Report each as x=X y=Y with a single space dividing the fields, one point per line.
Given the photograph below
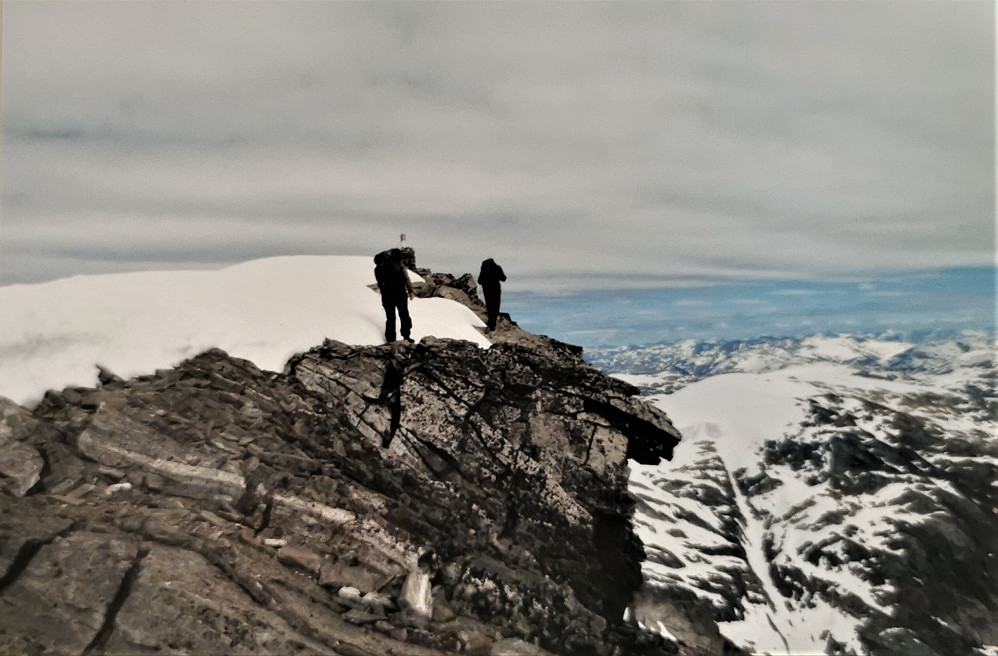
x=400 y=499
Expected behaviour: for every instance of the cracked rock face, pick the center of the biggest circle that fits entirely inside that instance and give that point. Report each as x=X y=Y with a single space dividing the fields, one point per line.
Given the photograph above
x=406 y=499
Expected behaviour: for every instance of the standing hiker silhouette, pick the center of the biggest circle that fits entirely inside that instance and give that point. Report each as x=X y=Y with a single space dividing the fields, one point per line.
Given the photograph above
x=396 y=291
x=490 y=278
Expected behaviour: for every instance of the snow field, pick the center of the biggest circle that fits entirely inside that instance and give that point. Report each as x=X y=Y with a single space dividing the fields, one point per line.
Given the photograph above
x=52 y=335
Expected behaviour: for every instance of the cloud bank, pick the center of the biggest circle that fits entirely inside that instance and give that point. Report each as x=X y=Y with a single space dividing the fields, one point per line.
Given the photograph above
x=579 y=144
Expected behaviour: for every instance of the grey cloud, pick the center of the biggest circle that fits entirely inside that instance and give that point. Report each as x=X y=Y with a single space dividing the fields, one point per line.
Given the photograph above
x=586 y=141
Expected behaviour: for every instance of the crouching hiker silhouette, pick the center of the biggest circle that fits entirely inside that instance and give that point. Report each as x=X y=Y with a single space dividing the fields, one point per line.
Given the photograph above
x=396 y=291
x=489 y=278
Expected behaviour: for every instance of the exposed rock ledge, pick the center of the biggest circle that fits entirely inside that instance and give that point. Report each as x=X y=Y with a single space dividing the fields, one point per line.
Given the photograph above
x=401 y=499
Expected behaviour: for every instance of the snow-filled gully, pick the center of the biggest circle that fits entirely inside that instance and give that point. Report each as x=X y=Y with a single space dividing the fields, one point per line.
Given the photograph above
x=753 y=539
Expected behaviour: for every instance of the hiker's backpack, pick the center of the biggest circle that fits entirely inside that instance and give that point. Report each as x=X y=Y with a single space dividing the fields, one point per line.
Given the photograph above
x=383 y=267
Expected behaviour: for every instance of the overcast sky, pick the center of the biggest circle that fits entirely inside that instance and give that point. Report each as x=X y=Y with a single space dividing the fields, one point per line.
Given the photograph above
x=580 y=144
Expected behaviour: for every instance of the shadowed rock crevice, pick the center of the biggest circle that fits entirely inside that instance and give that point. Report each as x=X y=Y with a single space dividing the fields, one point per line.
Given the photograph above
x=391 y=396
x=100 y=640
x=24 y=555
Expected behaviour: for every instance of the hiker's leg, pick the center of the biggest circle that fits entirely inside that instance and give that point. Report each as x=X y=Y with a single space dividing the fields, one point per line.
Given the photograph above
x=405 y=325
x=492 y=308
x=389 y=321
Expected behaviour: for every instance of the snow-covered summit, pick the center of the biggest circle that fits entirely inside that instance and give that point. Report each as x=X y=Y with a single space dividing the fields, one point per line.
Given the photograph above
x=53 y=334
x=845 y=348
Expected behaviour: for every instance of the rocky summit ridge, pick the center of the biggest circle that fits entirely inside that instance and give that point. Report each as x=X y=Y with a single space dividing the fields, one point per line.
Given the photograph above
x=403 y=499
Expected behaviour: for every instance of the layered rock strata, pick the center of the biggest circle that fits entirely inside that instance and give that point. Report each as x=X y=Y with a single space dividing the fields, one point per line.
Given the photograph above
x=400 y=499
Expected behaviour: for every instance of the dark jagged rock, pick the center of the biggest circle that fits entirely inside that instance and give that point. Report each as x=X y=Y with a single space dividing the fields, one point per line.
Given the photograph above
x=464 y=290
x=405 y=499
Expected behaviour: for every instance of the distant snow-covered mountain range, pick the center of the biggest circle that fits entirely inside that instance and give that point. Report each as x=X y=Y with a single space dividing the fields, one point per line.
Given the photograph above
x=668 y=367
x=831 y=495
x=916 y=306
